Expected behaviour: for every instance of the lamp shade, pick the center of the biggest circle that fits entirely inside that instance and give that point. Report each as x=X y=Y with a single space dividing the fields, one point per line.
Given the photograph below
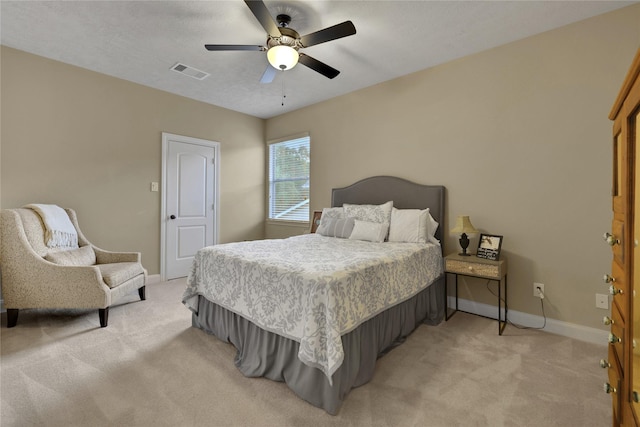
x=282 y=57
x=463 y=225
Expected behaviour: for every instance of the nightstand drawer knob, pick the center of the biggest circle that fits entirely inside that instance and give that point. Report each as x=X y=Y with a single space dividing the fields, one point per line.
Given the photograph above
x=608 y=388
x=604 y=364
x=609 y=279
x=470 y=268
x=614 y=291
x=606 y=320
x=614 y=339
x=611 y=239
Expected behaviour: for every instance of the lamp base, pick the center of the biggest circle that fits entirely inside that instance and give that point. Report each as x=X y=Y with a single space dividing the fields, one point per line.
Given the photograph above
x=464 y=244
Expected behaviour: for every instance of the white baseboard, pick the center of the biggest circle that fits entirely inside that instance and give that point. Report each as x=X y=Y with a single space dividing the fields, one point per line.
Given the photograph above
x=558 y=327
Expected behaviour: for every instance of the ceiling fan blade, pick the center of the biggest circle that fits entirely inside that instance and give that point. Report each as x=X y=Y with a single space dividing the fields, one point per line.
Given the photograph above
x=268 y=75
x=318 y=66
x=234 y=47
x=260 y=11
x=331 y=33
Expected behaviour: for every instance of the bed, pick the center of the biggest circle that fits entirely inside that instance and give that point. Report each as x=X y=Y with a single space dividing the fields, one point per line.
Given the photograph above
x=316 y=311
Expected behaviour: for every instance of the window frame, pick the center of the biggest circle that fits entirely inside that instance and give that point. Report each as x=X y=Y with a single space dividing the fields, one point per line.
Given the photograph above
x=269 y=186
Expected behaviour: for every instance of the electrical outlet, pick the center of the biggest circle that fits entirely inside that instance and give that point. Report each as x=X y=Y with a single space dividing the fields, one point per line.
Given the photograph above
x=154 y=186
x=602 y=301
x=537 y=293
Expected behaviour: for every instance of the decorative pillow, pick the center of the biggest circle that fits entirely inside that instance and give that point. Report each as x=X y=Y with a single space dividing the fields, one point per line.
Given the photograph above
x=341 y=228
x=408 y=225
x=369 y=231
x=369 y=213
x=73 y=257
x=330 y=213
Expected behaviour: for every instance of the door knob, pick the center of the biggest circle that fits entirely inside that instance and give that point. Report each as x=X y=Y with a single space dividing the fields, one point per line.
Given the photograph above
x=172 y=217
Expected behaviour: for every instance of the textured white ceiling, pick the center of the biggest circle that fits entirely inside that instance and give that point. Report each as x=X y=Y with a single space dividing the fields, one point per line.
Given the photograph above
x=140 y=41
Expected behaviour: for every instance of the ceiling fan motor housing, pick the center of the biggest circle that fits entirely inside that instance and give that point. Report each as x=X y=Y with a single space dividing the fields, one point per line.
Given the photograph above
x=288 y=37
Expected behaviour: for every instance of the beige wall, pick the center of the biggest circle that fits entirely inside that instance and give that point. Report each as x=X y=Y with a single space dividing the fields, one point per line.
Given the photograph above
x=519 y=135
x=94 y=143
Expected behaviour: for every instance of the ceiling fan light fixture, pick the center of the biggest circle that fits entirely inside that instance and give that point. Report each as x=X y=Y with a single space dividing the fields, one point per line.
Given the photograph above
x=282 y=57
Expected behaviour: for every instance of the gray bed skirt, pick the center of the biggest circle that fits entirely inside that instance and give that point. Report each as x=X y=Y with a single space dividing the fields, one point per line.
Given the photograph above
x=265 y=354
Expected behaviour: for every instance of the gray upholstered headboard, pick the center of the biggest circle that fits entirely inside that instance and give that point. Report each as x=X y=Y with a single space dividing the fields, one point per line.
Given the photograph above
x=405 y=195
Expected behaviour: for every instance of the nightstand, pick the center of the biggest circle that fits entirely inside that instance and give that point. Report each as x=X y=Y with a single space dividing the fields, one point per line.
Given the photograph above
x=480 y=268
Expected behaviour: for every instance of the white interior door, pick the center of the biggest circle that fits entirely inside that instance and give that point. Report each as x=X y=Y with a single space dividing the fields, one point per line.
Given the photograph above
x=189 y=214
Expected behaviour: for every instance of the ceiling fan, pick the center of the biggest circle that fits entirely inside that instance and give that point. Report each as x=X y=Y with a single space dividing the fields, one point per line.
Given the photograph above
x=284 y=43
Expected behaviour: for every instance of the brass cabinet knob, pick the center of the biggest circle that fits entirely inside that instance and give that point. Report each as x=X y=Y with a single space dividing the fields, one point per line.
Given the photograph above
x=608 y=388
x=614 y=339
x=611 y=239
x=604 y=364
x=609 y=279
x=606 y=320
x=614 y=291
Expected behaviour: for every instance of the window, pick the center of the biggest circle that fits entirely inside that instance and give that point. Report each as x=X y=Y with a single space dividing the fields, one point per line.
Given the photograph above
x=289 y=179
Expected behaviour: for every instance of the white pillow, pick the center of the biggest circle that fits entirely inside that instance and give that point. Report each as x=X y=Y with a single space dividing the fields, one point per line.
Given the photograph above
x=341 y=228
x=370 y=213
x=432 y=227
x=408 y=225
x=329 y=214
x=413 y=226
x=369 y=231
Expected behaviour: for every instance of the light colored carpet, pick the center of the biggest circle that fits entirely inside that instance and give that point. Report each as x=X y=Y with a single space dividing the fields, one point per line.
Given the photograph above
x=149 y=367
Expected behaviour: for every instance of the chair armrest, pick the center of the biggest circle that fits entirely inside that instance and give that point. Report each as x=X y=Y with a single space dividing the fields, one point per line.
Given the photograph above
x=109 y=257
x=36 y=282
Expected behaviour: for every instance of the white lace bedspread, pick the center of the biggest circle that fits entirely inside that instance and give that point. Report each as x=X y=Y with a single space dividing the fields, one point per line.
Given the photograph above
x=310 y=288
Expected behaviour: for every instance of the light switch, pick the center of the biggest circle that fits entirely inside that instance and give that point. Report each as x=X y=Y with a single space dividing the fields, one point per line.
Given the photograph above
x=154 y=186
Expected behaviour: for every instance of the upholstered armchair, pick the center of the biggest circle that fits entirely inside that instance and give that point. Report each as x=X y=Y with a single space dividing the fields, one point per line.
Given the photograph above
x=36 y=276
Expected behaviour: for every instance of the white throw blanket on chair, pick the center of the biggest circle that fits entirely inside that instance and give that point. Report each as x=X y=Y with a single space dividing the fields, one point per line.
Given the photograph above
x=59 y=231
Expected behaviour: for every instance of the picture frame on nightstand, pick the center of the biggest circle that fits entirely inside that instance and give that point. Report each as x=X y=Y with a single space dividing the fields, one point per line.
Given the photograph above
x=315 y=221
x=489 y=246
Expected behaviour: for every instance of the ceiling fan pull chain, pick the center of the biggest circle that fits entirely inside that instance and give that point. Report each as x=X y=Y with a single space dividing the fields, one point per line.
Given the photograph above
x=283 y=94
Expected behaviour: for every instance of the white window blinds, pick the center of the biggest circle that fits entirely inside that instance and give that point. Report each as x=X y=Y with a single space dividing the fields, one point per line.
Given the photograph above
x=289 y=179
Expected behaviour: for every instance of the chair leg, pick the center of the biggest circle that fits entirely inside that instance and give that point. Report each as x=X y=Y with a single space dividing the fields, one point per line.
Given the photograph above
x=141 y=292
x=104 y=316
x=12 y=317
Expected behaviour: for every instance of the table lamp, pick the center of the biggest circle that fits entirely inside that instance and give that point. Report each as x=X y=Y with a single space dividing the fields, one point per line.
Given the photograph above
x=464 y=226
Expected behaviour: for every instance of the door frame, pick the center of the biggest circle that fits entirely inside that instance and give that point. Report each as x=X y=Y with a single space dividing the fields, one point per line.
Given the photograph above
x=166 y=137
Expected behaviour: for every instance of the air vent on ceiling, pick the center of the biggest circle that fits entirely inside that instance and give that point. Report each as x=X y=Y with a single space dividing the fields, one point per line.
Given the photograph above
x=190 y=71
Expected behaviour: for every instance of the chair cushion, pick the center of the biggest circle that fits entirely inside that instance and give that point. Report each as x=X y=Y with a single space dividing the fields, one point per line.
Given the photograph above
x=81 y=256
x=117 y=273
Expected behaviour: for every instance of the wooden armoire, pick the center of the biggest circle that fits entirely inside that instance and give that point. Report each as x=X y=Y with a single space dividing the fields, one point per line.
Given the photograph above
x=623 y=360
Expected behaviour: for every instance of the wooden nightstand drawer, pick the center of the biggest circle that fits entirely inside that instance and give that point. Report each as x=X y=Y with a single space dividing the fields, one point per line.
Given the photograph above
x=472 y=268
x=476 y=267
